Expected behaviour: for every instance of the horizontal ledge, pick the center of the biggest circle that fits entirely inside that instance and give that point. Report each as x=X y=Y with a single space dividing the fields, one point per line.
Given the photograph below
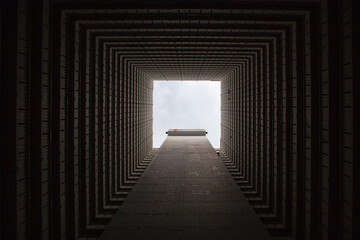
x=186 y=132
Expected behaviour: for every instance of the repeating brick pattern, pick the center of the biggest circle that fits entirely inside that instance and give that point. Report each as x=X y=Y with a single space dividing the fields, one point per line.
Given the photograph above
x=76 y=100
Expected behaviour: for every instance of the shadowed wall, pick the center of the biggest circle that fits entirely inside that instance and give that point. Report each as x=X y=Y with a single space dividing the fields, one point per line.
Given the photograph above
x=76 y=108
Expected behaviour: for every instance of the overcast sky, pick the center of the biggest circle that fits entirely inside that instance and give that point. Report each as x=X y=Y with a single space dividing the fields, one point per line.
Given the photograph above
x=187 y=104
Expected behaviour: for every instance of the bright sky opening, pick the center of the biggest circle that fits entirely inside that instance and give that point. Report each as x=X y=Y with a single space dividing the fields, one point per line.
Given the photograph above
x=186 y=104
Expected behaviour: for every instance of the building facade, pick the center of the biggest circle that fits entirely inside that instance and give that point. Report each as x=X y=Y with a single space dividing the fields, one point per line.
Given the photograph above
x=76 y=107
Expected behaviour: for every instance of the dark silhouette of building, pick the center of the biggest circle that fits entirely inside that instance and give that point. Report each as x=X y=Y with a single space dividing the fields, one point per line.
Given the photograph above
x=76 y=107
x=185 y=193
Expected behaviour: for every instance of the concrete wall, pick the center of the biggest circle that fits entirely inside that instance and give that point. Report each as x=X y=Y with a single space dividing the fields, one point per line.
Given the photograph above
x=76 y=108
x=287 y=127
x=82 y=124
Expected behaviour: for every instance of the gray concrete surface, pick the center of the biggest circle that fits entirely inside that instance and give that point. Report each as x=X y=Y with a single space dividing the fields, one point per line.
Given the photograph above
x=185 y=193
x=186 y=132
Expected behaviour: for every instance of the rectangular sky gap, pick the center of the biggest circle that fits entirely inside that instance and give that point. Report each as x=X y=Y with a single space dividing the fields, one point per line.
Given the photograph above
x=186 y=104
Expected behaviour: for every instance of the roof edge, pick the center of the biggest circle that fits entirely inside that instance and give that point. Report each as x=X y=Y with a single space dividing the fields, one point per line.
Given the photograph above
x=186 y=132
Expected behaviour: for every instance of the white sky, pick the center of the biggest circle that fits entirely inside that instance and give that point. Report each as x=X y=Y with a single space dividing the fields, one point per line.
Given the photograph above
x=186 y=104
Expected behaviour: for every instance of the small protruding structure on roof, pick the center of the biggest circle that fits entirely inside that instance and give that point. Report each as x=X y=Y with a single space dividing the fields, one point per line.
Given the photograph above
x=186 y=132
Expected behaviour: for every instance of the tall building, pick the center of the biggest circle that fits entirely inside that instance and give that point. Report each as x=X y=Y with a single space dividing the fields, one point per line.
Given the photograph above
x=186 y=193
x=76 y=107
